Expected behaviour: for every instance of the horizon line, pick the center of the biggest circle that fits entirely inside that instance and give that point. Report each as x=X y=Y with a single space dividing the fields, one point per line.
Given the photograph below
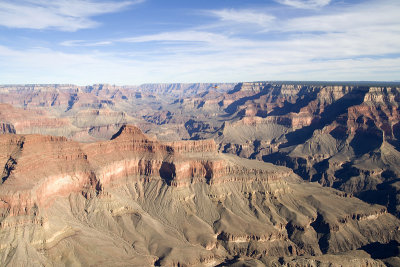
x=166 y=83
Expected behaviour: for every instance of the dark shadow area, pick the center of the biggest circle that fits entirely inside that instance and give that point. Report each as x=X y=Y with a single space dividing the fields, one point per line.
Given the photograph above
x=7 y=128
x=193 y=126
x=395 y=144
x=119 y=132
x=298 y=165
x=167 y=172
x=382 y=251
x=319 y=225
x=305 y=97
x=12 y=161
x=329 y=115
x=365 y=141
x=257 y=145
x=389 y=174
x=385 y=194
x=322 y=229
x=396 y=131
x=321 y=167
x=235 y=89
x=279 y=158
x=71 y=102
x=8 y=168
x=158 y=262
x=346 y=172
x=232 y=108
x=339 y=133
x=209 y=173
x=228 y=262
x=201 y=104
x=292 y=230
x=396 y=134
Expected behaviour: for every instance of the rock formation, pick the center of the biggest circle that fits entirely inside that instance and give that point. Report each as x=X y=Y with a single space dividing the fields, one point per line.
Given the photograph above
x=144 y=192
x=134 y=200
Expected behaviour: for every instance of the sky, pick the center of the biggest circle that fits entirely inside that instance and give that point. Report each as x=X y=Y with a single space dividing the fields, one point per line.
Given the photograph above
x=131 y=42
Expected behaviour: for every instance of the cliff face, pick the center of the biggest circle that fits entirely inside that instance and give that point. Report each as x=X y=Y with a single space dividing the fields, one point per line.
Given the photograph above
x=137 y=201
x=341 y=136
x=94 y=113
x=40 y=167
x=18 y=120
x=316 y=129
x=344 y=136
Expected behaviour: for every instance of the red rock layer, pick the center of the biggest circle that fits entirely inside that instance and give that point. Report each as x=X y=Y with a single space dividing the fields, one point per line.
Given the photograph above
x=25 y=120
x=38 y=168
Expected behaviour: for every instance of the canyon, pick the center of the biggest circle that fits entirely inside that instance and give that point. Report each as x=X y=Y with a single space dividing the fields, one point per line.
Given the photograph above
x=247 y=174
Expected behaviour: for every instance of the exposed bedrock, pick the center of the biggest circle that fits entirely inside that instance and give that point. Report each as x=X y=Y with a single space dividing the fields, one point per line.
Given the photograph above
x=168 y=203
x=137 y=201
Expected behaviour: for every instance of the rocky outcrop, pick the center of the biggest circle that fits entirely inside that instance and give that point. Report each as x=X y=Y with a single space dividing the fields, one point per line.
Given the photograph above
x=178 y=163
x=18 y=120
x=343 y=136
x=129 y=154
x=133 y=186
x=6 y=128
x=317 y=128
x=172 y=203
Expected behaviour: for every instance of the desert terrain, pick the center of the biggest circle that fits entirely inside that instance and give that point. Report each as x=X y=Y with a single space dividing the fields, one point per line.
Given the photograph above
x=247 y=174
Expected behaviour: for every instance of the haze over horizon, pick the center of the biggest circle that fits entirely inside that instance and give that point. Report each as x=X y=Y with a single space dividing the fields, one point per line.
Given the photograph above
x=148 y=41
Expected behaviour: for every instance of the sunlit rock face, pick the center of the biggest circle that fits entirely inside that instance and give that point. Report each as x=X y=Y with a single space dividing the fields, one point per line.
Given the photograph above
x=210 y=174
x=343 y=136
x=134 y=200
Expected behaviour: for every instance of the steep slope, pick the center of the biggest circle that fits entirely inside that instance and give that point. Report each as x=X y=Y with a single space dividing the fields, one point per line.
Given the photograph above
x=343 y=136
x=91 y=113
x=134 y=200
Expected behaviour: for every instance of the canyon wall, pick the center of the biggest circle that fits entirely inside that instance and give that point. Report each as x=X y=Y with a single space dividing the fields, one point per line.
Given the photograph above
x=138 y=201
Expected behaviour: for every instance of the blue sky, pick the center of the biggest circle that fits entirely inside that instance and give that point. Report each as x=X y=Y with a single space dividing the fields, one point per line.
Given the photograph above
x=152 y=41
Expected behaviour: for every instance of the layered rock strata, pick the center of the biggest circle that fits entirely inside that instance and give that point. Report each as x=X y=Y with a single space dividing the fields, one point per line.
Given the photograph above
x=134 y=200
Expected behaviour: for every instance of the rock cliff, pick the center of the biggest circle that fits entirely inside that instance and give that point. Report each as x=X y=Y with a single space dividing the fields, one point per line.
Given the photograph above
x=341 y=135
x=134 y=200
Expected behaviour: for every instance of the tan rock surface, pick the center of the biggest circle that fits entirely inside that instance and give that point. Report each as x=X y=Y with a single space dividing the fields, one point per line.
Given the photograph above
x=136 y=201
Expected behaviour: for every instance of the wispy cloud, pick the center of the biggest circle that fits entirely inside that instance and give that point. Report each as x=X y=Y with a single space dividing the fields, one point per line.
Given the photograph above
x=49 y=66
x=383 y=15
x=305 y=4
x=64 y=15
x=179 y=36
x=355 y=31
x=85 y=43
x=350 y=42
x=243 y=16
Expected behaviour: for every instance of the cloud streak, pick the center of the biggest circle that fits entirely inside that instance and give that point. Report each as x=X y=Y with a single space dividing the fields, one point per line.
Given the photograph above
x=83 y=43
x=305 y=4
x=243 y=16
x=49 y=66
x=357 y=42
x=337 y=35
x=64 y=15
